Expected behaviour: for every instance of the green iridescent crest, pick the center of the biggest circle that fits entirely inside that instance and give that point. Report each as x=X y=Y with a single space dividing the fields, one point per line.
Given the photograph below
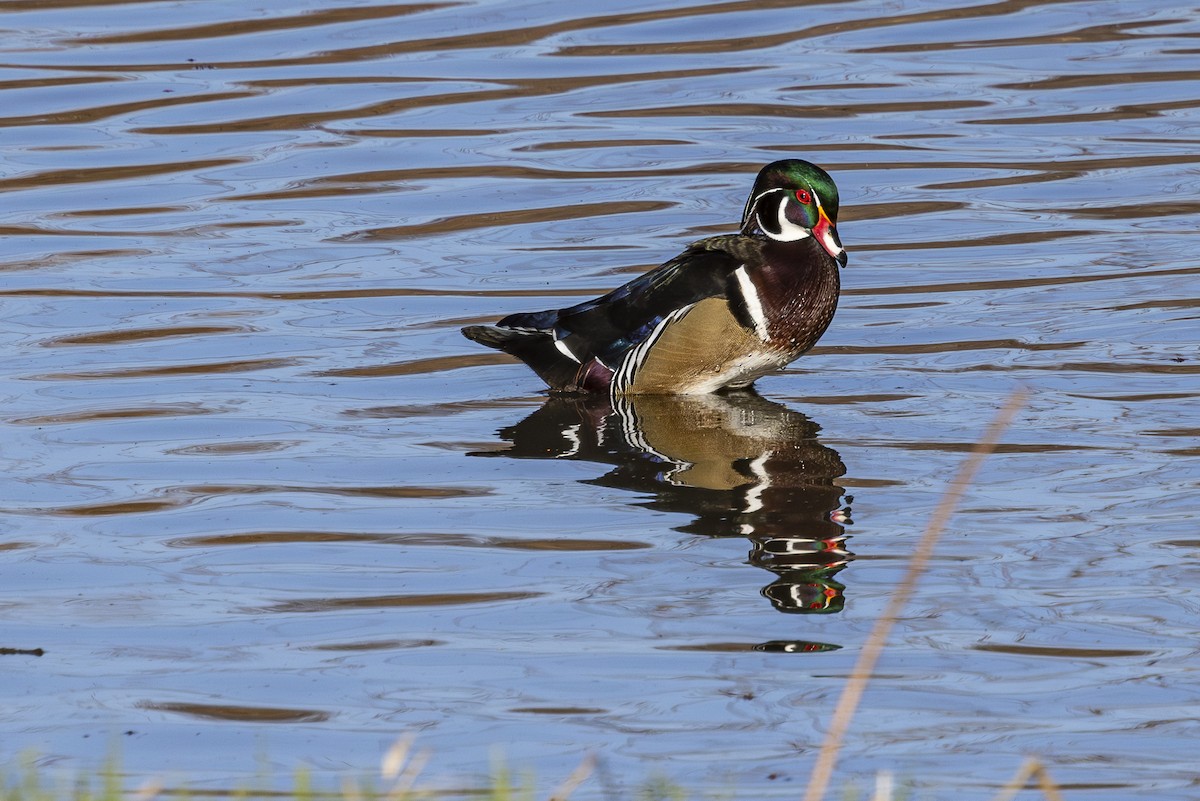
x=793 y=180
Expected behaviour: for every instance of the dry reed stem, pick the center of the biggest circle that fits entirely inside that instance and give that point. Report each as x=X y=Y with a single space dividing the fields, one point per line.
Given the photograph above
x=1030 y=768
x=577 y=777
x=885 y=786
x=393 y=761
x=151 y=789
x=408 y=778
x=401 y=767
x=856 y=684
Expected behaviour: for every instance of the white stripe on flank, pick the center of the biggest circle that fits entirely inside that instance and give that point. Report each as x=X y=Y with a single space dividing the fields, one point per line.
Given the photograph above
x=626 y=374
x=753 y=304
x=562 y=346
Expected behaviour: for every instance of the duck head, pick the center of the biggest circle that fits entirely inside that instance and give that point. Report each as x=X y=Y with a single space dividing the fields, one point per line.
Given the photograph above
x=793 y=200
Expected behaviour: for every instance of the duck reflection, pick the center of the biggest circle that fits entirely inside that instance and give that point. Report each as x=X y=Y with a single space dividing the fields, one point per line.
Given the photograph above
x=741 y=465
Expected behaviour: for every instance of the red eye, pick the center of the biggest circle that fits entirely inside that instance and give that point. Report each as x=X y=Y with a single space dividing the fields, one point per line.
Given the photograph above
x=803 y=196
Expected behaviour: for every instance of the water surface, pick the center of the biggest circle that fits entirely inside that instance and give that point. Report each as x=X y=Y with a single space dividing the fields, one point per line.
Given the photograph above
x=260 y=496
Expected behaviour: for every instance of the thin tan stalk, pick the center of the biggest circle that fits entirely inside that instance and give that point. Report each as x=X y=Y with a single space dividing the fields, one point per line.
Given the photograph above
x=401 y=767
x=577 y=777
x=856 y=684
x=404 y=783
x=1029 y=769
x=394 y=760
x=150 y=790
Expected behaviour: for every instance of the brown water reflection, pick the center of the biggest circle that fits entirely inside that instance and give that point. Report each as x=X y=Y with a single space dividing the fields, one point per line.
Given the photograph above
x=744 y=466
x=433 y=599
x=254 y=714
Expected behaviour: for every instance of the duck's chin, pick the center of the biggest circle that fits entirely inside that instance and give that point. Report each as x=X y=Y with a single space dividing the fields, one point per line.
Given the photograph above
x=826 y=234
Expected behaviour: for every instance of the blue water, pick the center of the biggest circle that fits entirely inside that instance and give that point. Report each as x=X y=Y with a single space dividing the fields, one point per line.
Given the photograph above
x=260 y=497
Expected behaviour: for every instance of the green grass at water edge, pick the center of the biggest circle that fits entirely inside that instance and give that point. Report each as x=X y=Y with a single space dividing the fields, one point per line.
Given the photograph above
x=31 y=782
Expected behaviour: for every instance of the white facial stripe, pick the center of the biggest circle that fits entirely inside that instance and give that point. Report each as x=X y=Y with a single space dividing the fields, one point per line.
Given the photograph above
x=761 y=195
x=788 y=230
x=752 y=203
x=753 y=304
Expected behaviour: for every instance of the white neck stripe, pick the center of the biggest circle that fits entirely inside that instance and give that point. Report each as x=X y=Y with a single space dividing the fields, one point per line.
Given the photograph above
x=788 y=230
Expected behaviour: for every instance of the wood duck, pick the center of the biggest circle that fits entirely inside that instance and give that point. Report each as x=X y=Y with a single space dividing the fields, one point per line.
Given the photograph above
x=723 y=313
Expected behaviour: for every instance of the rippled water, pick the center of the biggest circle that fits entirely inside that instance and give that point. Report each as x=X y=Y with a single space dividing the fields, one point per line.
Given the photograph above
x=259 y=495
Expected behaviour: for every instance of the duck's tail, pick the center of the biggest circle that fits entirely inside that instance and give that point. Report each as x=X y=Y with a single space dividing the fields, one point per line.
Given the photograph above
x=535 y=348
x=499 y=338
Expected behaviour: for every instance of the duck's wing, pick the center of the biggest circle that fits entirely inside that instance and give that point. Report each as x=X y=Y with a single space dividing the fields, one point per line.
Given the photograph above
x=581 y=347
x=609 y=326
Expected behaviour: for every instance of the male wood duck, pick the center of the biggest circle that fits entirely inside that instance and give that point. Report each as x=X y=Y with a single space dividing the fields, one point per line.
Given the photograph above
x=723 y=313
